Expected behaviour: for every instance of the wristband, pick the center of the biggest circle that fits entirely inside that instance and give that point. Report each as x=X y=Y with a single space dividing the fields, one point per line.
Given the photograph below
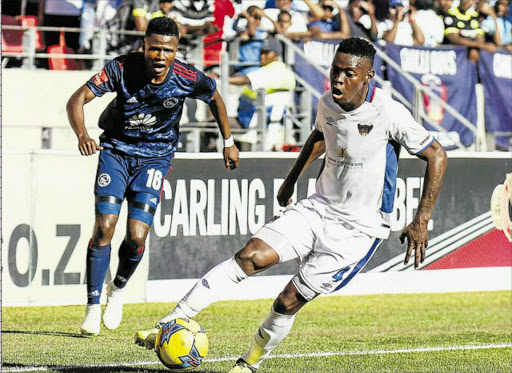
x=229 y=142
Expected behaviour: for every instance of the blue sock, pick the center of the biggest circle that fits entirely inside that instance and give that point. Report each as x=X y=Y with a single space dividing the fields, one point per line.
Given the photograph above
x=129 y=259
x=98 y=259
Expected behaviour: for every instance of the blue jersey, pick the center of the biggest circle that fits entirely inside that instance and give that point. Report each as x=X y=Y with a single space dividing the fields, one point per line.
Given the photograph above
x=143 y=120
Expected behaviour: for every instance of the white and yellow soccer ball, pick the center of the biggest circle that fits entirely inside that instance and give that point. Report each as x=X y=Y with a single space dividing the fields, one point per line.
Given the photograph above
x=181 y=344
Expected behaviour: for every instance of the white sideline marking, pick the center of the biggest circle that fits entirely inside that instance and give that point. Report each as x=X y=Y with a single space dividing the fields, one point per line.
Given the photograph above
x=282 y=356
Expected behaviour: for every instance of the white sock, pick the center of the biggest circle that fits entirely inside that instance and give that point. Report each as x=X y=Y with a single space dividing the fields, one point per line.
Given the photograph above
x=274 y=329
x=209 y=289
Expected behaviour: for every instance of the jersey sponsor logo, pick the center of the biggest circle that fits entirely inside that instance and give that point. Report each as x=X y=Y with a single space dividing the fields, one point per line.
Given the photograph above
x=364 y=128
x=132 y=100
x=104 y=180
x=329 y=121
x=425 y=140
x=170 y=102
x=144 y=120
x=100 y=77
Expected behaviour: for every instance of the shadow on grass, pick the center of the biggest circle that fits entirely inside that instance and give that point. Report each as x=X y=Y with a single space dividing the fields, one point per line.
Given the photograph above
x=110 y=369
x=56 y=334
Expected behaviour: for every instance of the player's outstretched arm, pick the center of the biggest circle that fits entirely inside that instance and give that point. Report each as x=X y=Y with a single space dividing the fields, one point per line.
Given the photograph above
x=220 y=114
x=416 y=232
x=313 y=148
x=75 y=110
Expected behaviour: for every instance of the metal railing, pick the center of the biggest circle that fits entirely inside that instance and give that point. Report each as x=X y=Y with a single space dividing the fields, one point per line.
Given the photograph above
x=416 y=107
x=299 y=120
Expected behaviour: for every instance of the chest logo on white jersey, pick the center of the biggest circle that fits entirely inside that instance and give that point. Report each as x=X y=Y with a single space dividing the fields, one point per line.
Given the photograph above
x=329 y=121
x=170 y=102
x=342 y=153
x=364 y=128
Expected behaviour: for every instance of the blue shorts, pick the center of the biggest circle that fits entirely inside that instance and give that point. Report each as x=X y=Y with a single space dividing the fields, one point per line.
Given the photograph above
x=139 y=180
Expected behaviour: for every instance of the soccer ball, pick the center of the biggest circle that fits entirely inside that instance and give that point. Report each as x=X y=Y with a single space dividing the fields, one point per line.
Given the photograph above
x=181 y=344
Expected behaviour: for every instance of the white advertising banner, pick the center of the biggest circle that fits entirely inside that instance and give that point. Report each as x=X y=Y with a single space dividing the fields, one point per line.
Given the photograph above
x=48 y=218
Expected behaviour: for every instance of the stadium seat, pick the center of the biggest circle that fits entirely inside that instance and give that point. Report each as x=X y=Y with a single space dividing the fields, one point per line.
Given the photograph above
x=62 y=63
x=31 y=21
x=12 y=40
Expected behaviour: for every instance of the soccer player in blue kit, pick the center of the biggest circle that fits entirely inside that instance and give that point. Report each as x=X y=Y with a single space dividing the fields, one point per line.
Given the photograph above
x=141 y=132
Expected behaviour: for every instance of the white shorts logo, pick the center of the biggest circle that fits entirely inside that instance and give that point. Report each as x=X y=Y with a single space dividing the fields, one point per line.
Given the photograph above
x=103 y=180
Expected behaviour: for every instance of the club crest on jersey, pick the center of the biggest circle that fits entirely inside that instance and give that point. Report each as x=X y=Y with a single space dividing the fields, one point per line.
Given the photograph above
x=170 y=102
x=146 y=120
x=329 y=121
x=104 y=180
x=342 y=153
x=364 y=128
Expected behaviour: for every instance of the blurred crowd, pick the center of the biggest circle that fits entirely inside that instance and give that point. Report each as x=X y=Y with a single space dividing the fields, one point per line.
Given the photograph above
x=477 y=24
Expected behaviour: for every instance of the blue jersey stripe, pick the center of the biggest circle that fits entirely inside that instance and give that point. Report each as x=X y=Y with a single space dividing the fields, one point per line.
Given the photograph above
x=388 y=195
x=361 y=263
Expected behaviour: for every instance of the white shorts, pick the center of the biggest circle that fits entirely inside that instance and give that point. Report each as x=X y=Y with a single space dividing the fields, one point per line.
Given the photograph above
x=330 y=251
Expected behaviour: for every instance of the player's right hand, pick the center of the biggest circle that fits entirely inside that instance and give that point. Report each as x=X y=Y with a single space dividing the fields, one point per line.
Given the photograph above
x=88 y=146
x=284 y=194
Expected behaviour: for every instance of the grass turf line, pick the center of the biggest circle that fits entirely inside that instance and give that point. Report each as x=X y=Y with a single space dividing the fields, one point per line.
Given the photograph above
x=49 y=336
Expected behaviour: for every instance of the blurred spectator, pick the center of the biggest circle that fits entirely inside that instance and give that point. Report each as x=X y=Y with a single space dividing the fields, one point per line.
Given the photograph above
x=277 y=80
x=284 y=22
x=131 y=15
x=497 y=20
x=441 y=7
x=60 y=13
x=463 y=28
x=299 y=18
x=330 y=26
x=213 y=42
x=248 y=28
x=361 y=19
x=429 y=23
x=95 y=14
x=401 y=28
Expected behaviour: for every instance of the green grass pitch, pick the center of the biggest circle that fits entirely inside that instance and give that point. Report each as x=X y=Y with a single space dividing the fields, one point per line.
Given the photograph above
x=456 y=332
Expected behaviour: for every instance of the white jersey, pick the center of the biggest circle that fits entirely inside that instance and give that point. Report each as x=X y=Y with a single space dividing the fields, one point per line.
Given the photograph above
x=358 y=181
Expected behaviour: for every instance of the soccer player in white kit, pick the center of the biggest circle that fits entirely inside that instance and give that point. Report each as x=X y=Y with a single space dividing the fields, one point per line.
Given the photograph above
x=335 y=231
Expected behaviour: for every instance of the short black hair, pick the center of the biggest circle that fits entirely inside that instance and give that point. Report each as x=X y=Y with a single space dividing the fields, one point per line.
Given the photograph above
x=162 y=26
x=357 y=47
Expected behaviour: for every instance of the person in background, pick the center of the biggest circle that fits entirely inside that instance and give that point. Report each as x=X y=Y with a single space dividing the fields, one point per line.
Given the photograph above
x=299 y=18
x=252 y=35
x=278 y=80
x=401 y=28
x=462 y=27
x=361 y=19
x=430 y=24
x=330 y=26
x=497 y=25
x=441 y=7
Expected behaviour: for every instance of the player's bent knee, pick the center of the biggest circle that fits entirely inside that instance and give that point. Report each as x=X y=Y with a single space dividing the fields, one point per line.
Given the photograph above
x=256 y=256
x=104 y=229
x=289 y=301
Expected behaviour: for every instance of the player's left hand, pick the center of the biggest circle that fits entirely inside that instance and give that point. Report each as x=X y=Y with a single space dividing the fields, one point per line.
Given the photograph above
x=417 y=240
x=231 y=157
